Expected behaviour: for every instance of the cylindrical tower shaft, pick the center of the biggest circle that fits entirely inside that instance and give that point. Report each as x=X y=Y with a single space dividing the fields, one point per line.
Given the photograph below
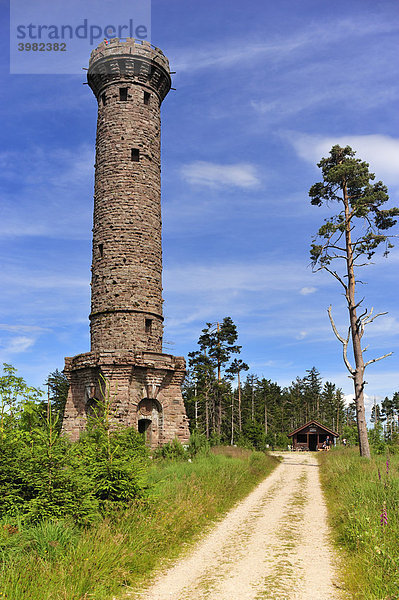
x=129 y=80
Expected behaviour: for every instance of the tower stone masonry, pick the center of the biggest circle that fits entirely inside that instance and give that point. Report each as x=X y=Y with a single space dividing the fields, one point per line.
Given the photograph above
x=129 y=79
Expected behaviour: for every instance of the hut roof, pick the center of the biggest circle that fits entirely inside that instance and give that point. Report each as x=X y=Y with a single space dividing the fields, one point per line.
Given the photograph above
x=313 y=422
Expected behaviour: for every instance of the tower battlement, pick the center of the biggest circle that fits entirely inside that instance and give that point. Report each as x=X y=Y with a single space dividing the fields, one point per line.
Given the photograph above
x=116 y=46
x=131 y=61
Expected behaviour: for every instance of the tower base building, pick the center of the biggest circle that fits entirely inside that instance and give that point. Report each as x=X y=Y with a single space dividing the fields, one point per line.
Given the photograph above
x=144 y=391
x=129 y=79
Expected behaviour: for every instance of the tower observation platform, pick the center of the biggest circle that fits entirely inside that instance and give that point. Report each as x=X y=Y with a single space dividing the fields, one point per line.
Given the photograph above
x=129 y=79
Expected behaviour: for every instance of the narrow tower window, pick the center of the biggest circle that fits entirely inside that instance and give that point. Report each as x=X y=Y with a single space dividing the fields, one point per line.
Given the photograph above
x=135 y=155
x=123 y=94
x=148 y=326
x=101 y=249
x=104 y=99
x=147 y=97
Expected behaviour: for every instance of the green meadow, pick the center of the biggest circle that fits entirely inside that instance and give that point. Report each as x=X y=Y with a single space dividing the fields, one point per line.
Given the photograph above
x=363 y=502
x=58 y=560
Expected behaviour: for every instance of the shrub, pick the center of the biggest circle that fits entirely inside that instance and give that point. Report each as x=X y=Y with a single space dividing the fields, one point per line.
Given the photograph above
x=198 y=444
x=116 y=462
x=171 y=451
x=44 y=476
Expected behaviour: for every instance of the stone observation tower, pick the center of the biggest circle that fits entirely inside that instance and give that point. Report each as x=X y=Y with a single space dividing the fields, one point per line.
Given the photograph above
x=129 y=79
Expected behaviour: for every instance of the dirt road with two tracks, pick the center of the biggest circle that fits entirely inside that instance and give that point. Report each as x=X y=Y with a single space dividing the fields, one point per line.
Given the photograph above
x=274 y=545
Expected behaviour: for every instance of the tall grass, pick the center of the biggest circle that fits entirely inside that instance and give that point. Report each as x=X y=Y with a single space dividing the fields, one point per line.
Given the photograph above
x=363 y=500
x=55 y=561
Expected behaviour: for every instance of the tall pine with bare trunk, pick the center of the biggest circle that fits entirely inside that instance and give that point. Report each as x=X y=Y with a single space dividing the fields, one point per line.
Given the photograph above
x=346 y=242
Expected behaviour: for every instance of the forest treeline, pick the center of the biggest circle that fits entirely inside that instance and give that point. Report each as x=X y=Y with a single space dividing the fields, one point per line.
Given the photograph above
x=224 y=401
x=228 y=404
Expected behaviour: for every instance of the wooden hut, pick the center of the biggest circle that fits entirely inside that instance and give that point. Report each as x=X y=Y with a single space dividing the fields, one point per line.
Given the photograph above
x=311 y=436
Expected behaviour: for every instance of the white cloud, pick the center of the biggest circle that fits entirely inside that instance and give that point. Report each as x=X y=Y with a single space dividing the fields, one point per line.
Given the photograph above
x=17 y=345
x=305 y=291
x=264 y=295
x=368 y=403
x=242 y=175
x=384 y=325
x=301 y=335
x=381 y=151
x=36 y=293
x=381 y=380
x=278 y=364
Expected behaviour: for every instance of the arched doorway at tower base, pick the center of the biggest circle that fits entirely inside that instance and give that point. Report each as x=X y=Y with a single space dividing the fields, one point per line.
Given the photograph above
x=150 y=421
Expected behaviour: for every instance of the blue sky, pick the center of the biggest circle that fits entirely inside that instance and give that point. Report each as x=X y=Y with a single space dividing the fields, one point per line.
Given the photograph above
x=264 y=89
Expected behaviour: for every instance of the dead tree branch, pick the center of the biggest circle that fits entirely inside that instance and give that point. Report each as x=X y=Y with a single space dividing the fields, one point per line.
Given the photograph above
x=370 y=319
x=373 y=360
x=344 y=343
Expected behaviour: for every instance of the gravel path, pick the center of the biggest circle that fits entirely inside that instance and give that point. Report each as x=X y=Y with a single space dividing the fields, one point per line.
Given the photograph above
x=274 y=545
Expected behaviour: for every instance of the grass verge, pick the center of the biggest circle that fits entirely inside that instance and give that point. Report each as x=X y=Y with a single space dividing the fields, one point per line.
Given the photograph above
x=54 y=561
x=363 y=501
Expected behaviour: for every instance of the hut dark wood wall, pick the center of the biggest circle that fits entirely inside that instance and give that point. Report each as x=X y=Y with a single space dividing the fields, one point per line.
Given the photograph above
x=311 y=436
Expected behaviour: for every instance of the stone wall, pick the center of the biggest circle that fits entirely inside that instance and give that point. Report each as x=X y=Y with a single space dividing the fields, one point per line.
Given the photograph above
x=127 y=250
x=129 y=80
x=131 y=380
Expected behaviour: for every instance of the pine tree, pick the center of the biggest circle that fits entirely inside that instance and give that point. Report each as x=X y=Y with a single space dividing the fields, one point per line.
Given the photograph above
x=218 y=343
x=313 y=386
x=57 y=392
x=235 y=369
x=351 y=237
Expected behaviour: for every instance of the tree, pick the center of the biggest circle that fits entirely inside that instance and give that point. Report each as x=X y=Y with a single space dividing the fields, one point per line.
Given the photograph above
x=296 y=393
x=18 y=401
x=333 y=407
x=350 y=238
x=235 y=369
x=350 y=414
x=218 y=344
x=203 y=376
x=269 y=397
x=57 y=393
x=388 y=414
x=312 y=390
x=376 y=416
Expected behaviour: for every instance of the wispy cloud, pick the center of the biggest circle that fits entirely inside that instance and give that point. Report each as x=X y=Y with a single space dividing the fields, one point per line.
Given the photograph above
x=19 y=344
x=230 y=53
x=241 y=175
x=41 y=281
x=251 y=277
x=35 y=293
x=15 y=345
x=22 y=328
x=381 y=151
x=305 y=291
x=49 y=187
x=274 y=298
x=258 y=292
